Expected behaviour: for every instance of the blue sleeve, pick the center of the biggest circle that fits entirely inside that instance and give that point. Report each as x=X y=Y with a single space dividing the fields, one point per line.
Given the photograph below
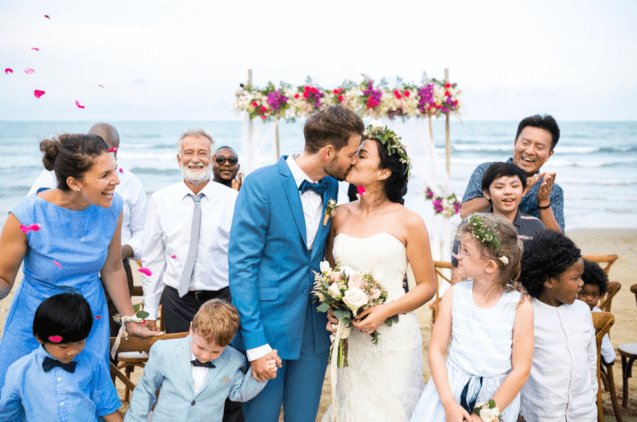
x=144 y=394
x=557 y=205
x=247 y=242
x=474 y=187
x=244 y=386
x=11 y=407
x=104 y=394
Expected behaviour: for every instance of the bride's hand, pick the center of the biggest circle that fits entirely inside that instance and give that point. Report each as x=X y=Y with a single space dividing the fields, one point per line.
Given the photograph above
x=370 y=319
x=332 y=321
x=456 y=413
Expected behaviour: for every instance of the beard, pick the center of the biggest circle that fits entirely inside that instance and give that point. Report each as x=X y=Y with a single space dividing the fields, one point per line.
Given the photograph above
x=339 y=173
x=196 y=176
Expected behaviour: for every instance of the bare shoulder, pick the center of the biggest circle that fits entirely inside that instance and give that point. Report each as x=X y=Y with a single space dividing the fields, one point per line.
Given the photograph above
x=411 y=220
x=525 y=307
x=343 y=212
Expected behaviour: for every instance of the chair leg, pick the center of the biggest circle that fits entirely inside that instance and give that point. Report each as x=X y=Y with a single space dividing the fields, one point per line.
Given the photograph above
x=613 y=393
x=625 y=379
x=129 y=371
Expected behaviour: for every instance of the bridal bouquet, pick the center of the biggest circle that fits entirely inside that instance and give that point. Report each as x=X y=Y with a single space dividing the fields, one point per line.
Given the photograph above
x=349 y=292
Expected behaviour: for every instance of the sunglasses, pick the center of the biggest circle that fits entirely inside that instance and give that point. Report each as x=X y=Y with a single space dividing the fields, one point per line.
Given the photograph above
x=231 y=160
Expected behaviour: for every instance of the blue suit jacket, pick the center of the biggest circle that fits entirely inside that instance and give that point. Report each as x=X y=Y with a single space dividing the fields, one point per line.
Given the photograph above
x=271 y=268
x=169 y=367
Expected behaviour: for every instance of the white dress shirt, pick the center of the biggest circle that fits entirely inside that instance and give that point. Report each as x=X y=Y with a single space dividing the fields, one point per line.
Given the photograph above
x=134 y=211
x=563 y=381
x=199 y=374
x=312 y=207
x=608 y=352
x=167 y=240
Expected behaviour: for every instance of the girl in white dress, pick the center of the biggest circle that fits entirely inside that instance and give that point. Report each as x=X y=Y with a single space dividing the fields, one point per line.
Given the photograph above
x=378 y=234
x=490 y=325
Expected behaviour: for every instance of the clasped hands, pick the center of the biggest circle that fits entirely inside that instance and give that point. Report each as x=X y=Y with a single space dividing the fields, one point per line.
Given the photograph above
x=367 y=321
x=266 y=367
x=544 y=192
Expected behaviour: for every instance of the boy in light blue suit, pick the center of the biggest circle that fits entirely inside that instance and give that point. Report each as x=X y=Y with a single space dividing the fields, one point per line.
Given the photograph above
x=277 y=240
x=196 y=374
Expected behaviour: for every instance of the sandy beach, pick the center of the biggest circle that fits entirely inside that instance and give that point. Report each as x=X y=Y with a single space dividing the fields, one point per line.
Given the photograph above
x=592 y=242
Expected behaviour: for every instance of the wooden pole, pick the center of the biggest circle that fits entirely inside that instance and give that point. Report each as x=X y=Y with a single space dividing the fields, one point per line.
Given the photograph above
x=250 y=128
x=276 y=140
x=448 y=140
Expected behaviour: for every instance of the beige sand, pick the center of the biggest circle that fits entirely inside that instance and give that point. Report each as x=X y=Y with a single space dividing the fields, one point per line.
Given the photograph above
x=592 y=242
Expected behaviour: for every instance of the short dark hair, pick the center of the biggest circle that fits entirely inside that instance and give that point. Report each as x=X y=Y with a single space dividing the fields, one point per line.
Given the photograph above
x=497 y=170
x=65 y=315
x=71 y=155
x=547 y=255
x=334 y=125
x=545 y=122
x=593 y=274
x=226 y=147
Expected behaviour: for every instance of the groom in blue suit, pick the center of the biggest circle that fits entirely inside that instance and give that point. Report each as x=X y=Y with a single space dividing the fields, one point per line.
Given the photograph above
x=277 y=240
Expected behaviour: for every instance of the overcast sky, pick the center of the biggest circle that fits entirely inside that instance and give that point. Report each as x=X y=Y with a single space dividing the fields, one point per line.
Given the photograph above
x=184 y=59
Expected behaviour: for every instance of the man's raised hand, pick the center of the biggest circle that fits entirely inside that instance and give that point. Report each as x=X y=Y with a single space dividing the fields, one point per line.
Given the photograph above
x=544 y=193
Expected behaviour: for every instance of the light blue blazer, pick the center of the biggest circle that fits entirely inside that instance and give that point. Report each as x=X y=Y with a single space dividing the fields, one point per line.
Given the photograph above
x=271 y=268
x=169 y=367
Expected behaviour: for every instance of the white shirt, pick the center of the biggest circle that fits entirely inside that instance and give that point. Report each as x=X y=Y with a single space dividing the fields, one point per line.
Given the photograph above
x=608 y=352
x=563 y=381
x=312 y=207
x=134 y=211
x=167 y=240
x=199 y=374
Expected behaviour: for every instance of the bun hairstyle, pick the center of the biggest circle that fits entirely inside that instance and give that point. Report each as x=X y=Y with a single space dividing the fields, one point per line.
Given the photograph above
x=396 y=184
x=510 y=246
x=71 y=155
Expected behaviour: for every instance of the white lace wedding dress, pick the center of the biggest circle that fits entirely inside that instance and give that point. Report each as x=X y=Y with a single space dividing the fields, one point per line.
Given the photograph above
x=383 y=382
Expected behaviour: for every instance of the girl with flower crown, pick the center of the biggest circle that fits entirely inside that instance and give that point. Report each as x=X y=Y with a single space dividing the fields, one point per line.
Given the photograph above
x=487 y=324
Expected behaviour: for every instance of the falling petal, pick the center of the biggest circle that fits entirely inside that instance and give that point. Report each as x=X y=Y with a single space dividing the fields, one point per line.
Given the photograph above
x=101 y=86
x=29 y=71
x=58 y=264
x=77 y=103
x=113 y=149
x=143 y=322
x=174 y=256
x=98 y=317
x=8 y=70
x=34 y=48
x=35 y=227
x=360 y=190
x=121 y=170
x=25 y=229
x=145 y=271
x=38 y=93
x=55 y=339
x=47 y=16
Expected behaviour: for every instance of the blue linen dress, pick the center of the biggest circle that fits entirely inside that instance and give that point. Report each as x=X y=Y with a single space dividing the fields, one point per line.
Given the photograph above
x=76 y=240
x=479 y=357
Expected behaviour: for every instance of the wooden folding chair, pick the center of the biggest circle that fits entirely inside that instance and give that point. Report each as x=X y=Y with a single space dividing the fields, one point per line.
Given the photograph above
x=606 y=261
x=139 y=345
x=603 y=321
x=628 y=352
x=609 y=260
x=435 y=305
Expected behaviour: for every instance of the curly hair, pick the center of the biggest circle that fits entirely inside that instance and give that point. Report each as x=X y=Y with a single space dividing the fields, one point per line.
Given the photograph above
x=216 y=322
x=549 y=254
x=395 y=185
x=593 y=274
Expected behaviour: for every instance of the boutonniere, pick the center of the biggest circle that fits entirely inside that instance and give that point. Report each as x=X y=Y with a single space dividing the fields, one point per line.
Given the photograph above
x=330 y=211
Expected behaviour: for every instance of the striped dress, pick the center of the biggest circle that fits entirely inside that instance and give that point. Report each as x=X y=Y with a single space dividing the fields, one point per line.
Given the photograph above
x=479 y=357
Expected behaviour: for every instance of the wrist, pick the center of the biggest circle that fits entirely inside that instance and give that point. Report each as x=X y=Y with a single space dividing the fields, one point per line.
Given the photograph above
x=544 y=205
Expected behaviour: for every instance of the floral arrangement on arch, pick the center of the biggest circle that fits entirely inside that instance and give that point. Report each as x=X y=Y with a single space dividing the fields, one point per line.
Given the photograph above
x=368 y=98
x=448 y=206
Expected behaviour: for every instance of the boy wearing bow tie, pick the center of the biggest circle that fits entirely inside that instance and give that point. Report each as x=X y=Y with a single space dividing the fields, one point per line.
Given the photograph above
x=59 y=381
x=196 y=373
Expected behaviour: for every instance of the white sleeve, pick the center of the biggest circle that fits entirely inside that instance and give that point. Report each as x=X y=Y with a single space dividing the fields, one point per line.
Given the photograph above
x=608 y=352
x=258 y=352
x=46 y=179
x=137 y=222
x=153 y=258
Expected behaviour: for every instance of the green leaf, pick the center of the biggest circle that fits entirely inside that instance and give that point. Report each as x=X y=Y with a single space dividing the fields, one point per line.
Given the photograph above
x=389 y=322
x=136 y=307
x=492 y=404
x=340 y=314
x=323 y=307
x=347 y=321
x=142 y=314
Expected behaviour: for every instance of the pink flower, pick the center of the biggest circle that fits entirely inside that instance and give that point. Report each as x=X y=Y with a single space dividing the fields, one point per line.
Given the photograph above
x=375 y=293
x=101 y=86
x=360 y=190
x=355 y=298
x=355 y=280
x=29 y=71
x=55 y=339
x=335 y=276
x=145 y=271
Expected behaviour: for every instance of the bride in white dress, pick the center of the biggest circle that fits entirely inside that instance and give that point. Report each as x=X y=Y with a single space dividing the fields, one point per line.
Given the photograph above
x=378 y=234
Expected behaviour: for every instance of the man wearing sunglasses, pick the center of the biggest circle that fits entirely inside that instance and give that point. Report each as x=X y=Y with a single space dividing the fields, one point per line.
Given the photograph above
x=225 y=168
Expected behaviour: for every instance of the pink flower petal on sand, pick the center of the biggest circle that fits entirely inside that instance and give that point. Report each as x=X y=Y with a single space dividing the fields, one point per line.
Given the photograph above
x=101 y=86
x=47 y=16
x=113 y=149
x=145 y=271
x=38 y=93
x=58 y=264
x=55 y=339
x=121 y=170
x=360 y=190
x=174 y=257
x=29 y=71
x=8 y=70
x=77 y=103
x=34 y=48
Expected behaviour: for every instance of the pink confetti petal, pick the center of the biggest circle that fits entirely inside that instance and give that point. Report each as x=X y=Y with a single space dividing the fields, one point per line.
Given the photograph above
x=38 y=93
x=145 y=271
x=47 y=16
x=113 y=149
x=101 y=86
x=8 y=70
x=98 y=317
x=29 y=71
x=143 y=322
x=58 y=264
x=174 y=256
x=35 y=227
x=34 y=48
x=55 y=339
x=360 y=190
x=121 y=170
x=77 y=103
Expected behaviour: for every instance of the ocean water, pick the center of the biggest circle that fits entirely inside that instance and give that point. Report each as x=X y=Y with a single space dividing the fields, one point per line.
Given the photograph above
x=595 y=162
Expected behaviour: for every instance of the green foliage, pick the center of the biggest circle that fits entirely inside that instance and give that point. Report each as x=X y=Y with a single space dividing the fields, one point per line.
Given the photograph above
x=323 y=307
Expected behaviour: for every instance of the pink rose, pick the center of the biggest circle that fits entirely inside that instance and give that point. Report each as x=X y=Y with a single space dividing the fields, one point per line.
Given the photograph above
x=356 y=280
x=335 y=276
x=375 y=293
x=355 y=298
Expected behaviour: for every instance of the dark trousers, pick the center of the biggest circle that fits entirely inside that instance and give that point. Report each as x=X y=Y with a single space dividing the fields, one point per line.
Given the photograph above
x=178 y=314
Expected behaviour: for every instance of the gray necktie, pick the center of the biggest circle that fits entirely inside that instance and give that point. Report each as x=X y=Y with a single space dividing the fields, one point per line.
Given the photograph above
x=192 y=250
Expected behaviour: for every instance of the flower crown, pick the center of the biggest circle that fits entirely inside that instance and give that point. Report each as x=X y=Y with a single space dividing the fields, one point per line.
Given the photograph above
x=388 y=137
x=487 y=236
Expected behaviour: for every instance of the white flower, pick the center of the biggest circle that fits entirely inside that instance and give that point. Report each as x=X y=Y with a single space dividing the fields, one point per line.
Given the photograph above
x=324 y=266
x=504 y=260
x=334 y=291
x=354 y=298
x=375 y=122
x=348 y=271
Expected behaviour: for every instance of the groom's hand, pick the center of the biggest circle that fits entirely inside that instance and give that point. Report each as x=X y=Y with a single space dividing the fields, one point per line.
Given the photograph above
x=332 y=321
x=261 y=370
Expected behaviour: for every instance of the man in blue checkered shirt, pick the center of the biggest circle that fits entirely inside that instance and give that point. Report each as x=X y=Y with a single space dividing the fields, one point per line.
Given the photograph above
x=534 y=144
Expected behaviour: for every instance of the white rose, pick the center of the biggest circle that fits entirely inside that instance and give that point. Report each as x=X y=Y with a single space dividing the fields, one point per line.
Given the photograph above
x=355 y=298
x=375 y=122
x=334 y=291
x=488 y=414
x=347 y=270
x=324 y=266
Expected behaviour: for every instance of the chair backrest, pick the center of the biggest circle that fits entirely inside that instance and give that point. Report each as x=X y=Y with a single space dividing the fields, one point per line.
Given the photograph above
x=609 y=260
x=143 y=344
x=633 y=289
x=602 y=321
x=613 y=289
x=438 y=267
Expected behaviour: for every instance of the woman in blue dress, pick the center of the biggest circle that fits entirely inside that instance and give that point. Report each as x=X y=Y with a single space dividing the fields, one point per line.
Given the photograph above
x=66 y=238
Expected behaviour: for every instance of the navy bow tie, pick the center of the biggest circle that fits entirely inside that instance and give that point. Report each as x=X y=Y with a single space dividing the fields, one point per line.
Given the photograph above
x=195 y=362
x=49 y=364
x=319 y=187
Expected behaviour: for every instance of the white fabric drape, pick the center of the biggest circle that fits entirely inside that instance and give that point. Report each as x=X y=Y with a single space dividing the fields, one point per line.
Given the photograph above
x=254 y=146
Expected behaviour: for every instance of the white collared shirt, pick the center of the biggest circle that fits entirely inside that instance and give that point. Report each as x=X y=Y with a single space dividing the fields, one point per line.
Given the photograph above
x=199 y=374
x=134 y=211
x=563 y=381
x=167 y=240
x=312 y=206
